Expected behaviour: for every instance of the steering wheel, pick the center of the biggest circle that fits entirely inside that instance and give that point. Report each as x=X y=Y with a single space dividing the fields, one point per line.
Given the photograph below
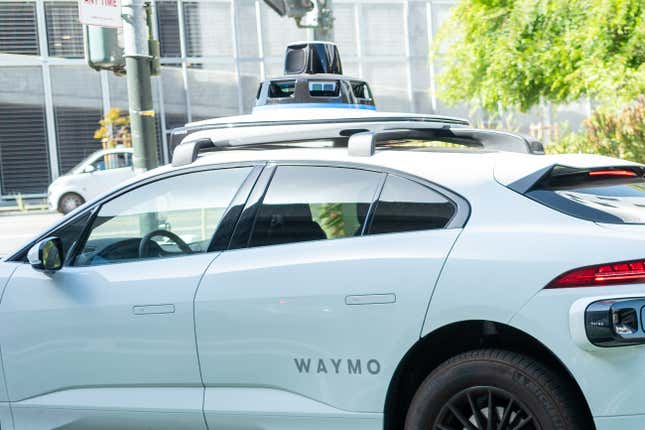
x=170 y=235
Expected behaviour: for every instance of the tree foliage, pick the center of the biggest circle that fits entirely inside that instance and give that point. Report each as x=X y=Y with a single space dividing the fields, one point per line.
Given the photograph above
x=616 y=133
x=515 y=53
x=114 y=129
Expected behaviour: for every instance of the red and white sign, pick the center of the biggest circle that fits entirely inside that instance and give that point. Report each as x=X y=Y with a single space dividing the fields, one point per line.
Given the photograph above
x=102 y=13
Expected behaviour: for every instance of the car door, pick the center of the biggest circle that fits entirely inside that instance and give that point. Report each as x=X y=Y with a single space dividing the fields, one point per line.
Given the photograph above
x=108 y=341
x=307 y=320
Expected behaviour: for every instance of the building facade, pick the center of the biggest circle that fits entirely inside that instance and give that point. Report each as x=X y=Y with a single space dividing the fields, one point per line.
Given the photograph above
x=214 y=53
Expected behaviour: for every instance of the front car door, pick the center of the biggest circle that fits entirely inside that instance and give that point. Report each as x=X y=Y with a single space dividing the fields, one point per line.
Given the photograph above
x=108 y=341
x=303 y=325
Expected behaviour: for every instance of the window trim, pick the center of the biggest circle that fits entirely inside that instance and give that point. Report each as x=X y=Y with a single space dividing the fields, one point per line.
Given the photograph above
x=246 y=222
x=21 y=254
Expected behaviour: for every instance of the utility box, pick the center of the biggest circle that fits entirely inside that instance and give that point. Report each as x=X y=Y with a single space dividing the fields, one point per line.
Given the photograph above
x=104 y=48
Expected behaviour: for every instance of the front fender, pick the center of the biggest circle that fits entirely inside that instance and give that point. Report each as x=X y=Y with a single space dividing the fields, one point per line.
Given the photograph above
x=6 y=271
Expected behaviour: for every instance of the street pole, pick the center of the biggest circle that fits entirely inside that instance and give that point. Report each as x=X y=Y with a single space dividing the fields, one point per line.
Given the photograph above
x=324 y=31
x=137 y=65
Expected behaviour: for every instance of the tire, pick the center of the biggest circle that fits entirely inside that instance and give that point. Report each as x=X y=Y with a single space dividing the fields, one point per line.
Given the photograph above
x=68 y=202
x=520 y=389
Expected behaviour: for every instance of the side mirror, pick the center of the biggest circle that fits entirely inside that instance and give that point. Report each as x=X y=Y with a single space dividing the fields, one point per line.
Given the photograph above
x=47 y=255
x=89 y=168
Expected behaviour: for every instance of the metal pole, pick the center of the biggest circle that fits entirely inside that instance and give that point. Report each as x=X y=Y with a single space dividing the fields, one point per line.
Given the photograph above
x=325 y=29
x=137 y=65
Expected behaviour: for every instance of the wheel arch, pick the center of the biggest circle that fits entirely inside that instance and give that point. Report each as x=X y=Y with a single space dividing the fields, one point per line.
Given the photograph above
x=452 y=339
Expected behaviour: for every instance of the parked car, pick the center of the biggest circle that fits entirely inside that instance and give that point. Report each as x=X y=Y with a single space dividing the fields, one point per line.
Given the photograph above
x=96 y=174
x=336 y=269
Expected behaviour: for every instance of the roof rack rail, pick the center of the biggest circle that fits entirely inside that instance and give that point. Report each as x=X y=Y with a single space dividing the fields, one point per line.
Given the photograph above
x=188 y=152
x=361 y=142
x=364 y=144
x=178 y=134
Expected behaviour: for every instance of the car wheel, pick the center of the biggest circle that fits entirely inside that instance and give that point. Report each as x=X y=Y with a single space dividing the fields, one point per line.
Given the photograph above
x=68 y=202
x=493 y=389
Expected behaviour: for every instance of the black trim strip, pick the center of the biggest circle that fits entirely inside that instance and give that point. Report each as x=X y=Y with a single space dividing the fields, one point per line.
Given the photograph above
x=370 y=212
x=224 y=232
x=246 y=223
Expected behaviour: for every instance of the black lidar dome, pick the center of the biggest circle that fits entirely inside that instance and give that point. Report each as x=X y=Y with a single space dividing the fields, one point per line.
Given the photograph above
x=312 y=58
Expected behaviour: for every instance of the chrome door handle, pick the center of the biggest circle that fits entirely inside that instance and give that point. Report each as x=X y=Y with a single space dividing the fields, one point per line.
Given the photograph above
x=153 y=309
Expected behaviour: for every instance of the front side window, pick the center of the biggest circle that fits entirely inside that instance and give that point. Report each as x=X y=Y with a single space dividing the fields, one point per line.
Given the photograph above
x=306 y=203
x=170 y=217
x=113 y=161
x=405 y=205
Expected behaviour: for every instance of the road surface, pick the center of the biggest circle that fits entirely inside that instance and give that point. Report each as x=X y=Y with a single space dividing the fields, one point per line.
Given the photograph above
x=17 y=229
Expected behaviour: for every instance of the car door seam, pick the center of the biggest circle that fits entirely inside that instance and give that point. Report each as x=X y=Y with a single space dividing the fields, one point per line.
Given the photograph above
x=436 y=283
x=199 y=361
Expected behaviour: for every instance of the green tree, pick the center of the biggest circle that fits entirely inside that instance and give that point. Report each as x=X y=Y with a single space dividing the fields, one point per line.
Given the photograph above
x=616 y=133
x=516 y=53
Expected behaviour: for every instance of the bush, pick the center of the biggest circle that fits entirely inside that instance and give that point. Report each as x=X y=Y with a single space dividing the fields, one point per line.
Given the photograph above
x=616 y=134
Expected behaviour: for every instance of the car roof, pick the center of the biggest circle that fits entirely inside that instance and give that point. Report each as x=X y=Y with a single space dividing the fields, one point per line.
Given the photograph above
x=452 y=168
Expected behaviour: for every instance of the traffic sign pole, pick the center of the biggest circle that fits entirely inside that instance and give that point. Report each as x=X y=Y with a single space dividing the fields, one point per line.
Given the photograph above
x=138 y=66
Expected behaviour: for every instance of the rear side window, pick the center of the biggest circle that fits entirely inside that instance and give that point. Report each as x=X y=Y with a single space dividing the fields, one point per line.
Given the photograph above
x=405 y=205
x=306 y=203
x=609 y=195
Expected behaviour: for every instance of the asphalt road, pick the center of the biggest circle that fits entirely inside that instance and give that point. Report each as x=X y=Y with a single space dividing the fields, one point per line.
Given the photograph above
x=17 y=229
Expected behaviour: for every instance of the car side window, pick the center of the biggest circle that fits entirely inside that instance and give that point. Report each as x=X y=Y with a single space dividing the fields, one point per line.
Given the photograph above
x=306 y=203
x=170 y=217
x=114 y=160
x=405 y=205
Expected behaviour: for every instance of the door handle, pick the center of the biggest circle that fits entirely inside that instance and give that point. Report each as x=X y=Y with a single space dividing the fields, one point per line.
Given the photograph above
x=370 y=299
x=153 y=309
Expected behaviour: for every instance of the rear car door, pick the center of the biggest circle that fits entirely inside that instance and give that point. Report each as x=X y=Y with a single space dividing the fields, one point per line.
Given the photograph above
x=306 y=320
x=108 y=341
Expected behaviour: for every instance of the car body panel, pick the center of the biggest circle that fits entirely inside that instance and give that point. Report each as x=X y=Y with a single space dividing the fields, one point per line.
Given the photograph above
x=612 y=379
x=71 y=326
x=236 y=408
x=631 y=422
x=6 y=419
x=499 y=263
x=163 y=408
x=260 y=310
x=6 y=270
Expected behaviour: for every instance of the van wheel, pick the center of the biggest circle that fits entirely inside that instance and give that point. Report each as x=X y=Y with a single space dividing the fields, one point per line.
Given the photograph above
x=68 y=202
x=493 y=389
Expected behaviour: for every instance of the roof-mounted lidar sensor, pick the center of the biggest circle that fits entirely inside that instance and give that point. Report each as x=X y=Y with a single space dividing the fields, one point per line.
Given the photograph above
x=313 y=77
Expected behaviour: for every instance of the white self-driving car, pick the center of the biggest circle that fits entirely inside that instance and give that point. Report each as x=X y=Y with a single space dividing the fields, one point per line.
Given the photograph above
x=94 y=175
x=336 y=269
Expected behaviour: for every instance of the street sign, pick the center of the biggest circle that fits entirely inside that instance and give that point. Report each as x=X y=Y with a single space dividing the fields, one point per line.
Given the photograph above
x=102 y=13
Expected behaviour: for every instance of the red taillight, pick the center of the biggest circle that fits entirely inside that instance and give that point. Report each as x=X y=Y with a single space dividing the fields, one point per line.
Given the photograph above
x=628 y=272
x=619 y=173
